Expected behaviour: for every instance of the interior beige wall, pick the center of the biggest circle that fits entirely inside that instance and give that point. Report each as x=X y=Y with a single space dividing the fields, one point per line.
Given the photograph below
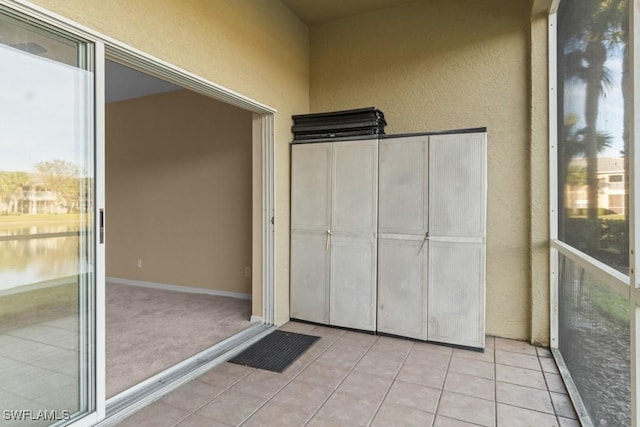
x=437 y=65
x=257 y=48
x=179 y=191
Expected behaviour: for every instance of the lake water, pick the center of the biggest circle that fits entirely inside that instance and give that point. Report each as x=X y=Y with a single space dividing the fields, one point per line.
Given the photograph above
x=35 y=254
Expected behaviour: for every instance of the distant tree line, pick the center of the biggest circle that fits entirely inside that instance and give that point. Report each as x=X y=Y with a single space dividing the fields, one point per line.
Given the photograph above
x=58 y=176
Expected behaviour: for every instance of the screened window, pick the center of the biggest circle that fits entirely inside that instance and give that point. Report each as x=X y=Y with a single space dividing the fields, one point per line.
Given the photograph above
x=593 y=109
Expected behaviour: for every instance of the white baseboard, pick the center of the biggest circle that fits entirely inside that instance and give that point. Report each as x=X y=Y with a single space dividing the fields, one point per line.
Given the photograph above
x=257 y=319
x=176 y=288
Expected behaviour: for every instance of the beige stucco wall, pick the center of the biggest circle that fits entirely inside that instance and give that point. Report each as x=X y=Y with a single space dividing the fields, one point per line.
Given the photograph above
x=178 y=191
x=256 y=48
x=440 y=65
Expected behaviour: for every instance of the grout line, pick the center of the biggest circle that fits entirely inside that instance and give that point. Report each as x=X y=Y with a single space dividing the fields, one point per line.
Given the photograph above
x=393 y=381
x=444 y=381
x=495 y=383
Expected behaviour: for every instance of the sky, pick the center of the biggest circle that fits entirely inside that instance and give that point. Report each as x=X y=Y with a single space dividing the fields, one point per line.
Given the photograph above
x=43 y=109
x=610 y=112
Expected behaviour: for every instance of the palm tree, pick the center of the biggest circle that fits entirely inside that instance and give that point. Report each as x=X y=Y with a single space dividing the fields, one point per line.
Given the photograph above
x=587 y=31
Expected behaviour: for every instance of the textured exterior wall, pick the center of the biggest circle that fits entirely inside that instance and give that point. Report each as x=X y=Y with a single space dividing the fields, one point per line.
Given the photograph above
x=440 y=64
x=257 y=48
x=178 y=191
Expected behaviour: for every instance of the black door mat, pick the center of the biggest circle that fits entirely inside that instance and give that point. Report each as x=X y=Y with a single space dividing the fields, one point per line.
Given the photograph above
x=276 y=351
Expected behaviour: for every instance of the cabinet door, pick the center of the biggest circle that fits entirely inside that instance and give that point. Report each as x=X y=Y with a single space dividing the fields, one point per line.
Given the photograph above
x=457 y=185
x=352 y=282
x=456 y=297
x=353 y=234
x=311 y=186
x=309 y=276
x=355 y=188
x=310 y=222
x=404 y=185
x=402 y=286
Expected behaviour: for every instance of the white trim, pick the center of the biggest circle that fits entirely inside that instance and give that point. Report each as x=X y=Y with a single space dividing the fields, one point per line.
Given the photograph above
x=634 y=199
x=268 y=219
x=137 y=397
x=256 y=319
x=574 y=395
x=178 y=288
x=553 y=175
x=100 y=296
x=613 y=279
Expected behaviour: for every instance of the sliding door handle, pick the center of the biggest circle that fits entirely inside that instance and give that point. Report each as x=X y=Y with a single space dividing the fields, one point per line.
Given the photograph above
x=101 y=225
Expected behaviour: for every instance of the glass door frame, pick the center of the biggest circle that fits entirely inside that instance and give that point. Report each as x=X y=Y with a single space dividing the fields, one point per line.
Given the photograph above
x=263 y=128
x=91 y=299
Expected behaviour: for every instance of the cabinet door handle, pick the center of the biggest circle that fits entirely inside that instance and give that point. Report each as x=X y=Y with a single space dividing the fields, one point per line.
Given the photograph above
x=426 y=237
x=328 y=239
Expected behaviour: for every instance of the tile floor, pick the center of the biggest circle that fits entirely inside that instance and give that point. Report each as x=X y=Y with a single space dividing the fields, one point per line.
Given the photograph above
x=39 y=368
x=352 y=379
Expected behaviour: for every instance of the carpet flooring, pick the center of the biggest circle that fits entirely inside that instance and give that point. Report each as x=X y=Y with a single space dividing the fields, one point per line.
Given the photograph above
x=149 y=330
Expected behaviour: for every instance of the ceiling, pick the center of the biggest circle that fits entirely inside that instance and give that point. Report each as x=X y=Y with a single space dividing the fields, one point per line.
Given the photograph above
x=123 y=83
x=313 y=12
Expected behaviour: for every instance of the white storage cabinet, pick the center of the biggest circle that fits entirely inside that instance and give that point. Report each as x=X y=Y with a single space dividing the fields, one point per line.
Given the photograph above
x=334 y=214
x=431 y=283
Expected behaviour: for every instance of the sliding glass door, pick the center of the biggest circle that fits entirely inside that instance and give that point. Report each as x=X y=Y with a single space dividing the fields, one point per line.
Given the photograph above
x=48 y=233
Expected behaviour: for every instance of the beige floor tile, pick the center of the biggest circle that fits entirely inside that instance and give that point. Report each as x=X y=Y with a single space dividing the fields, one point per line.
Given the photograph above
x=486 y=356
x=555 y=383
x=436 y=360
x=520 y=376
x=413 y=396
x=567 y=422
x=433 y=348
x=489 y=342
x=317 y=421
x=515 y=346
x=276 y=415
x=297 y=327
x=386 y=353
x=549 y=365
x=372 y=364
x=341 y=357
x=366 y=385
x=261 y=384
x=563 y=405
x=157 y=414
x=511 y=416
x=195 y=420
x=360 y=337
x=303 y=395
x=524 y=397
x=441 y=421
x=466 y=408
x=214 y=377
x=349 y=408
x=469 y=385
x=231 y=407
x=323 y=374
x=430 y=376
x=192 y=395
x=393 y=415
x=476 y=368
x=234 y=369
x=518 y=360
x=543 y=352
